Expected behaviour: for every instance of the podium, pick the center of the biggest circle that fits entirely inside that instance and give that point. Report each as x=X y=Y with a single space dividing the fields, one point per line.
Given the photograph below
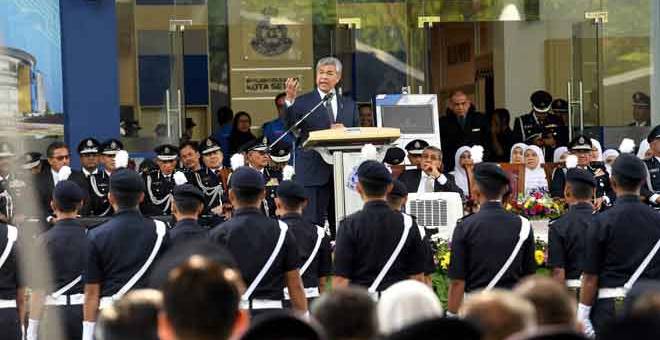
x=342 y=148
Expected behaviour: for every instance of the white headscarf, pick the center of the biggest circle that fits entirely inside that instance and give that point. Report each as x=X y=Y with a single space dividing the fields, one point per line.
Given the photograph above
x=643 y=147
x=459 y=173
x=535 y=178
x=596 y=144
x=406 y=303
x=523 y=146
x=606 y=154
x=556 y=156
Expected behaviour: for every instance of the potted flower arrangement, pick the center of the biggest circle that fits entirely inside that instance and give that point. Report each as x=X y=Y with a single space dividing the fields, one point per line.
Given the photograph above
x=536 y=206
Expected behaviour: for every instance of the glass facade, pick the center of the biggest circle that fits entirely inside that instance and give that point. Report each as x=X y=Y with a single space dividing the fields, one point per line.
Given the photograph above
x=183 y=59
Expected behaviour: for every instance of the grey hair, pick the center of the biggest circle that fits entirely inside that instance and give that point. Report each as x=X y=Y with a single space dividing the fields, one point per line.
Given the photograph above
x=435 y=149
x=329 y=61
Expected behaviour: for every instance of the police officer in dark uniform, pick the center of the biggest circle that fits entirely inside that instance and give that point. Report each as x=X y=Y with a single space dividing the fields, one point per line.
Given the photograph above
x=397 y=199
x=312 y=240
x=393 y=160
x=121 y=250
x=264 y=248
x=618 y=244
x=258 y=158
x=88 y=150
x=12 y=291
x=369 y=238
x=159 y=183
x=415 y=148
x=539 y=118
x=581 y=147
x=641 y=109
x=99 y=183
x=560 y=109
x=651 y=189
x=212 y=180
x=481 y=249
x=566 y=234
x=66 y=246
x=32 y=163
x=188 y=205
x=280 y=154
x=12 y=186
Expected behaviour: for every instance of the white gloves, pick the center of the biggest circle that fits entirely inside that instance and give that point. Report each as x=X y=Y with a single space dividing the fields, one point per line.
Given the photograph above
x=583 y=316
x=32 y=329
x=88 y=330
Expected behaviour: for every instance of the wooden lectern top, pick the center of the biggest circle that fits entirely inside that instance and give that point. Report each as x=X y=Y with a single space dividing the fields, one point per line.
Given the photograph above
x=352 y=136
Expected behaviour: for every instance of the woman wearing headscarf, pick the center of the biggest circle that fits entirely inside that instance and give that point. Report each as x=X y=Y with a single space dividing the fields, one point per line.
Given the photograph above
x=517 y=155
x=535 y=179
x=240 y=132
x=644 y=150
x=610 y=156
x=596 y=151
x=406 y=303
x=462 y=167
x=559 y=155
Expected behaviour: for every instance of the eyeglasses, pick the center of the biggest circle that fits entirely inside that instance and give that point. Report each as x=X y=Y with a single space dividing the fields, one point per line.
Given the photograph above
x=61 y=158
x=431 y=157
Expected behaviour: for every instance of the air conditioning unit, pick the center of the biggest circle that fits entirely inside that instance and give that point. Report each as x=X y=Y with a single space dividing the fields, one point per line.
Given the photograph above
x=437 y=212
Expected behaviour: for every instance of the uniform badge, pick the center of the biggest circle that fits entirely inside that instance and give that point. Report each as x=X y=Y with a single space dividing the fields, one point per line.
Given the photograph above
x=166 y=150
x=581 y=140
x=90 y=143
x=209 y=142
x=113 y=145
x=417 y=145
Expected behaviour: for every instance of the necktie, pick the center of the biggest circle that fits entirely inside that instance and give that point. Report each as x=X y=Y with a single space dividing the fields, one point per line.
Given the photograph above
x=331 y=113
x=429 y=185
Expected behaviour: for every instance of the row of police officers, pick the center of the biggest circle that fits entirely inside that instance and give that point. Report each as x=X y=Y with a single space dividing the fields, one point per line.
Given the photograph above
x=286 y=261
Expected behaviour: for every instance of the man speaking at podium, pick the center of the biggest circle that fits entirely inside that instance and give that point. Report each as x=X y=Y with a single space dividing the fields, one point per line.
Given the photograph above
x=335 y=112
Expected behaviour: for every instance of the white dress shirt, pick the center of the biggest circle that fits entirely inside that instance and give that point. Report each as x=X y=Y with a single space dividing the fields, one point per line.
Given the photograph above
x=56 y=177
x=442 y=179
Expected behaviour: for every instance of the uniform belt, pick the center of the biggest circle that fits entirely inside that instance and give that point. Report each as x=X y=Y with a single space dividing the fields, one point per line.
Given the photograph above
x=574 y=283
x=612 y=293
x=261 y=304
x=7 y=304
x=64 y=300
x=312 y=292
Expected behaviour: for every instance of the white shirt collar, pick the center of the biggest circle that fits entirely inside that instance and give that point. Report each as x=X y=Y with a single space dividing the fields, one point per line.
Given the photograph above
x=87 y=173
x=56 y=176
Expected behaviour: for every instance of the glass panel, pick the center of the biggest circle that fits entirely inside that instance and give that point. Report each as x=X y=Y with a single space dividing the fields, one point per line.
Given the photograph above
x=164 y=90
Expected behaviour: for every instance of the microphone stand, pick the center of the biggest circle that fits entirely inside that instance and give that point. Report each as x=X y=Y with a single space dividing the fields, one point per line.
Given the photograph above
x=302 y=119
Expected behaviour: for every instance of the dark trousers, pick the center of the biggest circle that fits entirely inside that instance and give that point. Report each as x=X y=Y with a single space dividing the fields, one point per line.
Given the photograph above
x=603 y=312
x=68 y=318
x=318 y=203
x=10 y=326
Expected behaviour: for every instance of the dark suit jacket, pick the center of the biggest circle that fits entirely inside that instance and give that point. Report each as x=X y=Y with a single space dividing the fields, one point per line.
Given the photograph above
x=452 y=136
x=44 y=186
x=311 y=170
x=412 y=177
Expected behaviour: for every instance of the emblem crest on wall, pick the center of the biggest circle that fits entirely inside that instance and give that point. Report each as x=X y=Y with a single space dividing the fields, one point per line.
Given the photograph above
x=271 y=40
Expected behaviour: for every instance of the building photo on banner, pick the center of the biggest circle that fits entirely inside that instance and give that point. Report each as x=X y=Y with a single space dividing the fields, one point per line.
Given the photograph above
x=32 y=68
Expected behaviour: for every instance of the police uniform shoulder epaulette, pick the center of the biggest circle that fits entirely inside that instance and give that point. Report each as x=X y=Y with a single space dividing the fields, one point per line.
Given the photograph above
x=466 y=217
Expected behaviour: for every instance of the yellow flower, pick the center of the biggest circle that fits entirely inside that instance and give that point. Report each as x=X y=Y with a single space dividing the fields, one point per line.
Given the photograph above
x=539 y=256
x=444 y=261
